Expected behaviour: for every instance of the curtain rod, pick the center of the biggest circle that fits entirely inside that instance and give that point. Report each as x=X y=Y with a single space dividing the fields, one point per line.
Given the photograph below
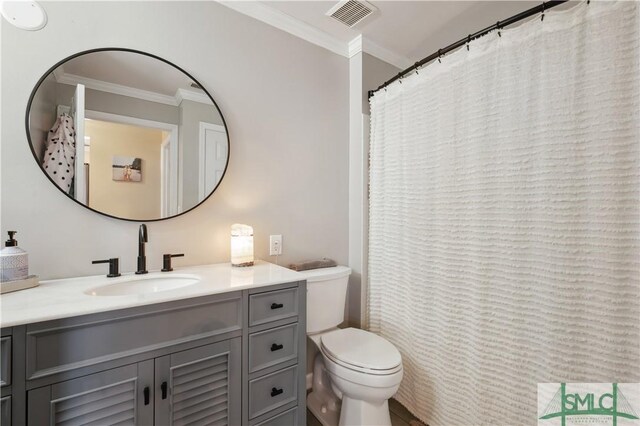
x=499 y=25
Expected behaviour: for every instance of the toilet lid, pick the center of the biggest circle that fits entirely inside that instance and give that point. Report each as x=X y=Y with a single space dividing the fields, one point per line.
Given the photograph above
x=362 y=349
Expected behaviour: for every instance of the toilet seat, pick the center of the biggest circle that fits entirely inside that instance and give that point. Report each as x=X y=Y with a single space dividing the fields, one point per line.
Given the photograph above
x=361 y=351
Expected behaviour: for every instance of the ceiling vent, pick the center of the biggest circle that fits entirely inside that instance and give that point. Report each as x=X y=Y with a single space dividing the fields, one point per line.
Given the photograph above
x=351 y=12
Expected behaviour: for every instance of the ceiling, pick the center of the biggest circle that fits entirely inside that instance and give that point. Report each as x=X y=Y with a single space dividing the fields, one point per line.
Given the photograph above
x=401 y=32
x=129 y=69
x=130 y=74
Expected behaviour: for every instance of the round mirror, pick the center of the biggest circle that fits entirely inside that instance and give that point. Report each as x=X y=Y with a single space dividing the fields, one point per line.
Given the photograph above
x=127 y=134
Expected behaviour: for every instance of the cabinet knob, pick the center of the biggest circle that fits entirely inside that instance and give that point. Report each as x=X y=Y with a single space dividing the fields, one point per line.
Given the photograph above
x=276 y=347
x=276 y=305
x=146 y=394
x=276 y=391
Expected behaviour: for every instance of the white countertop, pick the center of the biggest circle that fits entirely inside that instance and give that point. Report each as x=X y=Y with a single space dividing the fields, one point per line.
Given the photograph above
x=67 y=298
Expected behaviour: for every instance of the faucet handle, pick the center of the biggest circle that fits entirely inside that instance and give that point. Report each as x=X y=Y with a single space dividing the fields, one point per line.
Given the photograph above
x=114 y=266
x=166 y=261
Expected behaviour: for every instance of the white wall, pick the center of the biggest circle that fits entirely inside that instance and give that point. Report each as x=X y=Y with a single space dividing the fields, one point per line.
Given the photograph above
x=286 y=106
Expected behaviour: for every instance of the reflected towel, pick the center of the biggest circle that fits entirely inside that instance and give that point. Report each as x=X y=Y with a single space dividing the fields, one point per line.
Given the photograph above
x=59 y=157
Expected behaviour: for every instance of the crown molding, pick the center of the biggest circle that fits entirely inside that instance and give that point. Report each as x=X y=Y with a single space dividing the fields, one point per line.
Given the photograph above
x=117 y=89
x=363 y=44
x=355 y=46
x=385 y=54
x=298 y=28
x=132 y=92
x=58 y=73
x=188 y=95
x=287 y=23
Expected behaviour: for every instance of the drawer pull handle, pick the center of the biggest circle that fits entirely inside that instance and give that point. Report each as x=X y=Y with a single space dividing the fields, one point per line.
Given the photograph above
x=163 y=388
x=276 y=305
x=145 y=392
x=276 y=392
x=276 y=347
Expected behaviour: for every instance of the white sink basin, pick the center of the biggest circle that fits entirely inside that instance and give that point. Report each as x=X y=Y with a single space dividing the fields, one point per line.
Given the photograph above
x=152 y=283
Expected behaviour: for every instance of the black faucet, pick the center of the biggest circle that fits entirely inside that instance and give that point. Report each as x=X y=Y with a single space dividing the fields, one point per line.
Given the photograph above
x=142 y=258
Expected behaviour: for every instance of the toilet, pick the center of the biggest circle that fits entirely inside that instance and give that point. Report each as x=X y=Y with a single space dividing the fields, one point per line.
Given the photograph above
x=355 y=371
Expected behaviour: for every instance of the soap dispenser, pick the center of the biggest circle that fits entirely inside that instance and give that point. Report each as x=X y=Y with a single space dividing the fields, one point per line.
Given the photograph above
x=14 y=263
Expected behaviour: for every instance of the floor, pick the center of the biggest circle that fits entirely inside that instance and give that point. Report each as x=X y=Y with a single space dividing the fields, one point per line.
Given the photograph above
x=399 y=416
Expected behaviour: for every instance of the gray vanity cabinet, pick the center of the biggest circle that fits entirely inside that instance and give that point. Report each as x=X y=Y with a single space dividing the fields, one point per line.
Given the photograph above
x=118 y=396
x=5 y=410
x=6 y=367
x=199 y=386
x=235 y=358
x=274 y=390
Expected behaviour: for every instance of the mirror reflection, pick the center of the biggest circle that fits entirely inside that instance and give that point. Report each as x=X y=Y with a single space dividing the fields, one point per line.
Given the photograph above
x=128 y=134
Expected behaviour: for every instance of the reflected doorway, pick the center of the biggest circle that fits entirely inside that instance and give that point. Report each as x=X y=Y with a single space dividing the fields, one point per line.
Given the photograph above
x=132 y=166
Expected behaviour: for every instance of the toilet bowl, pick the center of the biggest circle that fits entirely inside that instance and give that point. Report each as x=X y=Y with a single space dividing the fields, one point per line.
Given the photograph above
x=366 y=370
x=355 y=371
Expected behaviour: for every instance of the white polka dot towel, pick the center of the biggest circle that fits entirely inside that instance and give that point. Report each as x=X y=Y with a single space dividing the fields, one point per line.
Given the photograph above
x=61 y=151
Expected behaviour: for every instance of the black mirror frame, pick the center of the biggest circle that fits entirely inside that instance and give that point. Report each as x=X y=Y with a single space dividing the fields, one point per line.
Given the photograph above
x=122 y=49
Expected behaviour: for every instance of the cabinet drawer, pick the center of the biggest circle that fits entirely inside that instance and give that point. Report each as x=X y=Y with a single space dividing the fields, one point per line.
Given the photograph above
x=273 y=305
x=272 y=391
x=273 y=346
x=288 y=418
x=5 y=361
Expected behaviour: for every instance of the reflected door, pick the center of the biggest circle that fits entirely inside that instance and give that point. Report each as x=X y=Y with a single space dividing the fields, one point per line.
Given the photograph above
x=213 y=157
x=77 y=112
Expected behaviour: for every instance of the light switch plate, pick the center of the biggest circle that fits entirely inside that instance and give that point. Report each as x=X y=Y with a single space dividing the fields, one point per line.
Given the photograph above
x=275 y=245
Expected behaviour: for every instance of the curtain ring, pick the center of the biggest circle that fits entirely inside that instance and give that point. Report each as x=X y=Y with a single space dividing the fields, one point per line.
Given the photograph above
x=468 y=41
x=499 y=28
x=400 y=77
x=416 y=65
x=542 y=16
x=440 y=55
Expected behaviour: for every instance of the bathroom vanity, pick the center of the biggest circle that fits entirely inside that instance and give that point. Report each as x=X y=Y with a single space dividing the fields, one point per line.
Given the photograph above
x=224 y=346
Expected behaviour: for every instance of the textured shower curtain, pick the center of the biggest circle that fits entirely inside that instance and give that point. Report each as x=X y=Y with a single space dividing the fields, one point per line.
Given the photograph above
x=504 y=216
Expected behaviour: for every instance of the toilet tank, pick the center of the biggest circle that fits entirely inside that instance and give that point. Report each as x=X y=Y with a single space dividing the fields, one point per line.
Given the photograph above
x=326 y=295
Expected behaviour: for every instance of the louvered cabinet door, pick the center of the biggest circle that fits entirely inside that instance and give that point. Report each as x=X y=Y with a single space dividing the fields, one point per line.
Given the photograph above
x=200 y=386
x=121 y=396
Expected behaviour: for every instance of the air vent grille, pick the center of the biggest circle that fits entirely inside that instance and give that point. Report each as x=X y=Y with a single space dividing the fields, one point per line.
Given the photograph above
x=351 y=12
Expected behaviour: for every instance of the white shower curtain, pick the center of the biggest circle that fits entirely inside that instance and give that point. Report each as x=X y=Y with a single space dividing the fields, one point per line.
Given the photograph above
x=504 y=216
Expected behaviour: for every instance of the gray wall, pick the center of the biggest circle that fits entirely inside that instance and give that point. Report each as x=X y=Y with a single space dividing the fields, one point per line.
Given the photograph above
x=191 y=114
x=43 y=114
x=286 y=106
x=374 y=72
x=472 y=18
